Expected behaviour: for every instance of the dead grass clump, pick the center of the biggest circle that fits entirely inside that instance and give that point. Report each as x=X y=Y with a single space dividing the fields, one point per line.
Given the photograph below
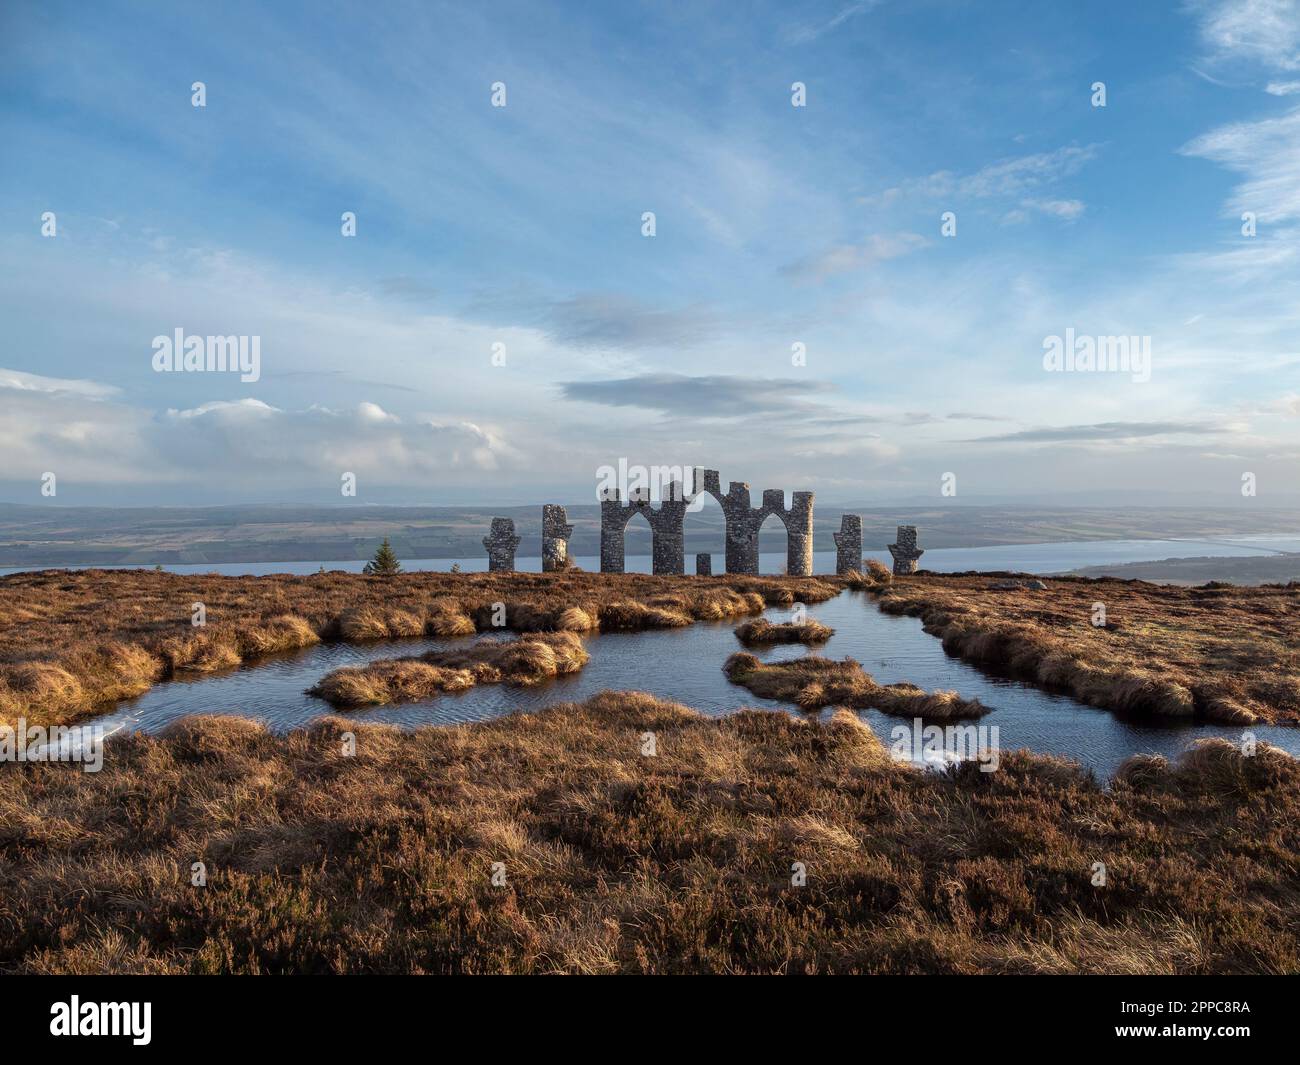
x=628 y=615
x=288 y=632
x=575 y=619
x=363 y=623
x=390 y=681
x=524 y=661
x=714 y=604
x=762 y=631
x=446 y=617
x=875 y=576
x=37 y=685
x=811 y=683
x=204 y=650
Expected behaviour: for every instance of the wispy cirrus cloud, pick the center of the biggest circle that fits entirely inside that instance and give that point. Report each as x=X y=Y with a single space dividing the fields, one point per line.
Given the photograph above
x=810 y=31
x=1103 y=431
x=1266 y=32
x=1267 y=155
x=1005 y=178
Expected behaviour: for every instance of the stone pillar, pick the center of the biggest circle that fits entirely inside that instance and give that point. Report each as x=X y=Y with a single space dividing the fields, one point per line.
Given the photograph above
x=704 y=564
x=613 y=525
x=555 y=537
x=742 y=533
x=848 y=544
x=799 y=535
x=501 y=542
x=667 y=527
x=905 y=552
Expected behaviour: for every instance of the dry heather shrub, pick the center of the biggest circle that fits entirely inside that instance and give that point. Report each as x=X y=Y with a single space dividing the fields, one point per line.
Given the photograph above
x=762 y=631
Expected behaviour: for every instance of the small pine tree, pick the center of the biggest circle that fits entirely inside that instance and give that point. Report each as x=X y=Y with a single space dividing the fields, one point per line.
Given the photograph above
x=385 y=563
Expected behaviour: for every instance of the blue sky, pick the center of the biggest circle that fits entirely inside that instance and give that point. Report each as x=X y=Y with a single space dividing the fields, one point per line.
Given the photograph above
x=775 y=225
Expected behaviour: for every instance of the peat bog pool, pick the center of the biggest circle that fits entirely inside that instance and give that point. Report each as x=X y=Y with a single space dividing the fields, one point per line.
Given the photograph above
x=685 y=665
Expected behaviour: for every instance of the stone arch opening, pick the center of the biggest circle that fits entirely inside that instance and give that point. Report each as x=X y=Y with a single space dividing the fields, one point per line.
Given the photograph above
x=705 y=532
x=773 y=553
x=638 y=541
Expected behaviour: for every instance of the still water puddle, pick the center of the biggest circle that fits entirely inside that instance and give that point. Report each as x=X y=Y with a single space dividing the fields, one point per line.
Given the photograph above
x=685 y=665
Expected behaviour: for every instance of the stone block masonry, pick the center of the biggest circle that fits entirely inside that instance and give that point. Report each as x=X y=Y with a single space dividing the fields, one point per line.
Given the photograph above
x=905 y=552
x=742 y=521
x=848 y=544
x=501 y=543
x=704 y=564
x=556 y=531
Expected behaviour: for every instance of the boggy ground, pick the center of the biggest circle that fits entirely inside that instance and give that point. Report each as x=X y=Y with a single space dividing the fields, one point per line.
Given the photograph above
x=71 y=642
x=613 y=861
x=1215 y=653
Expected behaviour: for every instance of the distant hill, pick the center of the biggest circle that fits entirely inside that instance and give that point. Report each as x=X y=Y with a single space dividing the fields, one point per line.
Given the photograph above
x=1262 y=569
x=52 y=535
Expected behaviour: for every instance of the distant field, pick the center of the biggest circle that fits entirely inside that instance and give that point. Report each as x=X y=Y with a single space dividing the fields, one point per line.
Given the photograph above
x=1265 y=569
x=37 y=535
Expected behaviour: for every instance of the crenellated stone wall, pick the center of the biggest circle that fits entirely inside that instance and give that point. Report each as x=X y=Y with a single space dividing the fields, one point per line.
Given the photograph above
x=742 y=521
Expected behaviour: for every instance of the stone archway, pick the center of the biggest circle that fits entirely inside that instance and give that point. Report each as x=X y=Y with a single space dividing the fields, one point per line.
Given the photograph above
x=742 y=523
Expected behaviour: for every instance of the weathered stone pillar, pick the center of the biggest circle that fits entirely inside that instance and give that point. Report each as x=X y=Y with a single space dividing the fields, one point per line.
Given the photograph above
x=613 y=526
x=905 y=552
x=703 y=564
x=555 y=537
x=799 y=535
x=667 y=527
x=848 y=544
x=501 y=542
x=742 y=532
